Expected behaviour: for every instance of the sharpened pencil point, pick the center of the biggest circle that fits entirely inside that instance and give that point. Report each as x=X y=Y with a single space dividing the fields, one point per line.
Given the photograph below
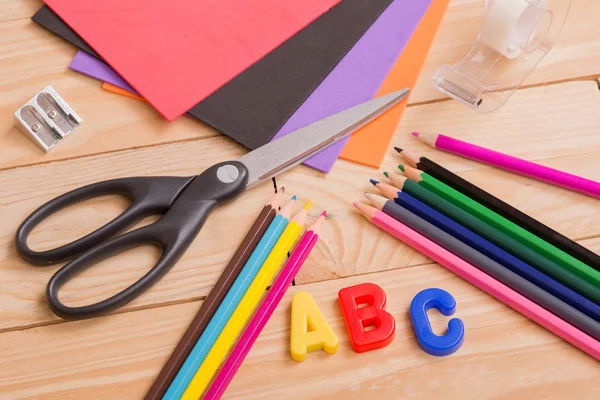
x=429 y=138
x=374 y=182
x=318 y=223
x=376 y=200
x=387 y=174
x=307 y=205
x=365 y=210
x=294 y=198
x=355 y=204
x=389 y=191
x=401 y=168
x=415 y=134
x=398 y=149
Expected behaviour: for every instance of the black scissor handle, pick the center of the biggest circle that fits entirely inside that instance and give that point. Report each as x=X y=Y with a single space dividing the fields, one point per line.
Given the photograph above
x=174 y=233
x=148 y=195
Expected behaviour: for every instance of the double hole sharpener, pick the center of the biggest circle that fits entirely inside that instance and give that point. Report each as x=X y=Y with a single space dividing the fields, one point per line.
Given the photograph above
x=47 y=119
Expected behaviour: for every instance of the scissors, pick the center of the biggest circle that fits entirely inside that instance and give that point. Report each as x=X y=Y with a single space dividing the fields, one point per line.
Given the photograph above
x=184 y=204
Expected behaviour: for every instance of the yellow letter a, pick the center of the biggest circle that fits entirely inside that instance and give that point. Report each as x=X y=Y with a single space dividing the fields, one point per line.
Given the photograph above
x=310 y=331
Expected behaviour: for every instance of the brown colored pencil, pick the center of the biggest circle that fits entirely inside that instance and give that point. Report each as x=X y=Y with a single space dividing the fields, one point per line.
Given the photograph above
x=214 y=299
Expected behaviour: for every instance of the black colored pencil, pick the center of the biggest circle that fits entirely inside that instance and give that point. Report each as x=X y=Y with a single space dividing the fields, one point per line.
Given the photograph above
x=506 y=210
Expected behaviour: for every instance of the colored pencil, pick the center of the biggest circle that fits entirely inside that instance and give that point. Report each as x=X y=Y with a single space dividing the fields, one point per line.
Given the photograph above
x=506 y=210
x=266 y=309
x=483 y=281
x=492 y=234
x=499 y=255
x=489 y=266
x=512 y=164
x=245 y=309
x=499 y=222
x=214 y=298
x=229 y=303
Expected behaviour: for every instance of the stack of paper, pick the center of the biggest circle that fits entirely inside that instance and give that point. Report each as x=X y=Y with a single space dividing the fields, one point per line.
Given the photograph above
x=257 y=69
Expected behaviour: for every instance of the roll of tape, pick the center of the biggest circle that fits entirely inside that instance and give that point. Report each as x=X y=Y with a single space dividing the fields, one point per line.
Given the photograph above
x=511 y=25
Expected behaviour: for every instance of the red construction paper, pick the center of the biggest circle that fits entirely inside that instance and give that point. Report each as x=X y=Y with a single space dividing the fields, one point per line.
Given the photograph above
x=176 y=53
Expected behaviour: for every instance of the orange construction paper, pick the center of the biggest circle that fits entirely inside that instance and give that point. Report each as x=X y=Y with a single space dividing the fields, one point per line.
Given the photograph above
x=369 y=145
x=115 y=89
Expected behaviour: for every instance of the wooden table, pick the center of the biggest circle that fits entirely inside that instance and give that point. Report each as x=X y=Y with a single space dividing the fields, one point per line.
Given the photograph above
x=554 y=120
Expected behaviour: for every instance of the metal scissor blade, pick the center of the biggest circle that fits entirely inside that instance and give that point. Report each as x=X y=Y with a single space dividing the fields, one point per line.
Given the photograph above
x=286 y=152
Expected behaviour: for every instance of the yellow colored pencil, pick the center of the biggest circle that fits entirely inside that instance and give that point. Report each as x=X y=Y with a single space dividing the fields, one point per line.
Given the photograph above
x=243 y=312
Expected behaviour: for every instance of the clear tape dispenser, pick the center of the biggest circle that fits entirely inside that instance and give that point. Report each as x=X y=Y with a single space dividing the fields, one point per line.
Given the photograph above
x=516 y=35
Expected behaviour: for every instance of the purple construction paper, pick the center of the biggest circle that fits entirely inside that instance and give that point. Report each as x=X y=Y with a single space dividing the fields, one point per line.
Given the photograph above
x=359 y=75
x=91 y=66
x=354 y=80
x=94 y=68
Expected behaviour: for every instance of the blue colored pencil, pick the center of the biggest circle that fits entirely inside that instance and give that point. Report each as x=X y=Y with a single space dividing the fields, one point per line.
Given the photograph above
x=229 y=304
x=499 y=255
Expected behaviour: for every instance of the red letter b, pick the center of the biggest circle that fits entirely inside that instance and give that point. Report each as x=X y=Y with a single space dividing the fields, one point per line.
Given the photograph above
x=370 y=327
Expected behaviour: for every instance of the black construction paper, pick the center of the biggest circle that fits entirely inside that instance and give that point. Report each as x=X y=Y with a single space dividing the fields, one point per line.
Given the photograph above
x=254 y=106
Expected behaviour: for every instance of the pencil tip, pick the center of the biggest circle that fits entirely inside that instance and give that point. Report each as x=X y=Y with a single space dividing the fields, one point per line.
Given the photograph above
x=401 y=167
x=294 y=198
x=307 y=205
x=324 y=213
x=374 y=182
x=282 y=189
x=398 y=149
x=387 y=174
x=355 y=204
x=415 y=134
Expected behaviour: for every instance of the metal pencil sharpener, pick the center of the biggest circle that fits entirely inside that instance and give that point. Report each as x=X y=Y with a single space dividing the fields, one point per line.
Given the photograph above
x=47 y=119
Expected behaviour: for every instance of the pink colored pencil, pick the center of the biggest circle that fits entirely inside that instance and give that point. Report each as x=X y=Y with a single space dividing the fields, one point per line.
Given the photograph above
x=265 y=310
x=486 y=283
x=512 y=164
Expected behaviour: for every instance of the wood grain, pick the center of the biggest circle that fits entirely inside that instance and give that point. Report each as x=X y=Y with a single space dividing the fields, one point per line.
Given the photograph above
x=576 y=55
x=18 y=9
x=505 y=356
x=31 y=186
x=521 y=128
x=349 y=246
x=112 y=122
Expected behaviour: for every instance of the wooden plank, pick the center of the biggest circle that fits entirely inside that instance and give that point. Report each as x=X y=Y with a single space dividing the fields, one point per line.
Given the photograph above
x=505 y=356
x=349 y=245
x=191 y=278
x=110 y=122
x=113 y=123
x=575 y=55
x=17 y=9
x=117 y=357
x=522 y=129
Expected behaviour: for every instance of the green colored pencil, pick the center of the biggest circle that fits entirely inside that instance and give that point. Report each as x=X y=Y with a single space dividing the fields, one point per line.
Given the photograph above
x=495 y=236
x=499 y=222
